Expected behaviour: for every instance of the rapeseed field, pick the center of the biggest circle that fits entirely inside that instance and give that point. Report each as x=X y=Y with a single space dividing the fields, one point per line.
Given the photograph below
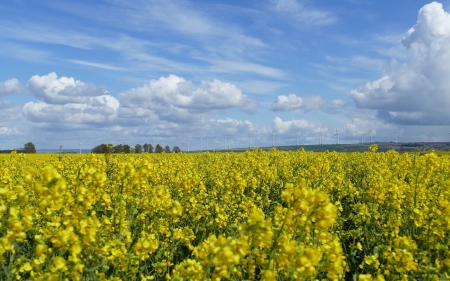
x=259 y=215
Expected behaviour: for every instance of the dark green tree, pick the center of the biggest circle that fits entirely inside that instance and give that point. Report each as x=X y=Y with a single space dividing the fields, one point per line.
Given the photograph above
x=29 y=148
x=176 y=149
x=138 y=148
x=126 y=148
x=146 y=146
x=158 y=148
x=118 y=148
x=150 y=148
x=102 y=148
x=167 y=149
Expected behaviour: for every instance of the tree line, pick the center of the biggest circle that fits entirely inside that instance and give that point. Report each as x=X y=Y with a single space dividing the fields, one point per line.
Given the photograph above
x=27 y=148
x=125 y=148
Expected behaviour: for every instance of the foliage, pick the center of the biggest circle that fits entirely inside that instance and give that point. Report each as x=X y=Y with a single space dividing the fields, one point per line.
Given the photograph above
x=211 y=216
x=159 y=149
x=176 y=149
x=102 y=148
x=29 y=148
x=138 y=148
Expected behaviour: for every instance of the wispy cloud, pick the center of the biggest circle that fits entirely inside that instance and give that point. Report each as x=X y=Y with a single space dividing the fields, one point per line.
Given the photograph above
x=98 y=65
x=302 y=14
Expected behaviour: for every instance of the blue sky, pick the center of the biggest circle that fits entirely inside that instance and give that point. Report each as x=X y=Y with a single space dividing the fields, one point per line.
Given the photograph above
x=114 y=71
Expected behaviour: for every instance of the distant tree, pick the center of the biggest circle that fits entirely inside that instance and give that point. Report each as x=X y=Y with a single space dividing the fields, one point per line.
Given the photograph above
x=146 y=146
x=118 y=148
x=29 y=148
x=133 y=150
x=102 y=148
x=126 y=148
x=105 y=148
x=158 y=148
x=96 y=149
x=138 y=148
x=150 y=148
x=167 y=149
x=176 y=149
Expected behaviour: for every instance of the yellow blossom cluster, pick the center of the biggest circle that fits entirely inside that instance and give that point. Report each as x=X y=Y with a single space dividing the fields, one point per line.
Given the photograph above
x=258 y=215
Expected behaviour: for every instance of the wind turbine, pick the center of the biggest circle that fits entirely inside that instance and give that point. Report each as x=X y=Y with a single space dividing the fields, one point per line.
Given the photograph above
x=370 y=136
x=153 y=142
x=177 y=138
x=273 y=135
x=214 y=148
x=320 y=137
x=303 y=139
x=296 y=138
x=337 y=136
x=188 y=143
x=206 y=143
x=80 y=147
x=422 y=135
x=432 y=137
x=396 y=136
x=224 y=142
x=362 y=135
x=249 y=141
x=201 y=144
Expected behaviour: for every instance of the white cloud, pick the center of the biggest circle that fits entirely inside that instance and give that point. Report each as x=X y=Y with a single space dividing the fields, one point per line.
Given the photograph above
x=6 y=104
x=5 y=131
x=68 y=103
x=53 y=90
x=335 y=105
x=11 y=86
x=159 y=107
x=245 y=67
x=283 y=127
x=98 y=65
x=293 y=102
x=99 y=110
x=303 y=15
x=174 y=98
x=417 y=92
x=9 y=113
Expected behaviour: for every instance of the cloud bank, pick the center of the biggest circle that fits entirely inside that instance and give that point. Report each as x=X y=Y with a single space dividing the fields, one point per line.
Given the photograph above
x=417 y=92
x=163 y=107
x=293 y=102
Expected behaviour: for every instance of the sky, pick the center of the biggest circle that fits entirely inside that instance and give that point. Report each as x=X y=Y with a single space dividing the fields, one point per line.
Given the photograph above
x=223 y=73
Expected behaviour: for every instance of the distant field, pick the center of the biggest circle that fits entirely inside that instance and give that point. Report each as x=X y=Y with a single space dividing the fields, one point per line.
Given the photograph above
x=401 y=147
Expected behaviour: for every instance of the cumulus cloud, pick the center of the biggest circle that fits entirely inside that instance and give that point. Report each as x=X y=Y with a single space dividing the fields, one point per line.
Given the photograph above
x=175 y=99
x=98 y=110
x=69 y=103
x=283 y=127
x=417 y=92
x=169 y=104
x=293 y=102
x=6 y=104
x=5 y=131
x=53 y=90
x=9 y=113
x=335 y=105
x=10 y=86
